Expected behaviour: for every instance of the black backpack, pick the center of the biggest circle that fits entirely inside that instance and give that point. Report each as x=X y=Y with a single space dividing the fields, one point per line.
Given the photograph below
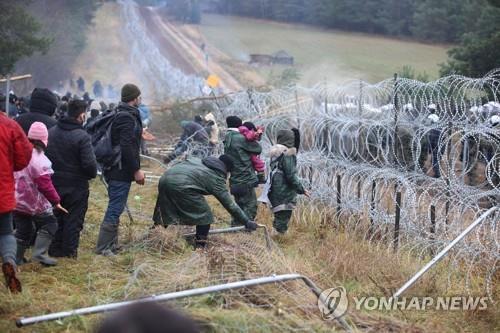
x=106 y=154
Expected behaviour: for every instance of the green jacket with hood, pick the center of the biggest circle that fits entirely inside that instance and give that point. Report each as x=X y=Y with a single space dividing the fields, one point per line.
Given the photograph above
x=182 y=189
x=285 y=184
x=240 y=150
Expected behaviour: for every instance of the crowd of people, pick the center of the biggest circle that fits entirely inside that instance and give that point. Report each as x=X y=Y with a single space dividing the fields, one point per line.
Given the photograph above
x=51 y=152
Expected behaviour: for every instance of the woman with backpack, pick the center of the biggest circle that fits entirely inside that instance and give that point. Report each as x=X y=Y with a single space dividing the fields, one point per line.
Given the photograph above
x=36 y=198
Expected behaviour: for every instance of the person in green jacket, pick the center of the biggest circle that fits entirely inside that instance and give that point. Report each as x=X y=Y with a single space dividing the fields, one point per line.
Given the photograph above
x=182 y=190
x=243 y=178
x=285 y=184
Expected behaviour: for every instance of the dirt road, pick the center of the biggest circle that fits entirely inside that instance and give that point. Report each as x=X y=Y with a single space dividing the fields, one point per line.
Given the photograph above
x=182 y=52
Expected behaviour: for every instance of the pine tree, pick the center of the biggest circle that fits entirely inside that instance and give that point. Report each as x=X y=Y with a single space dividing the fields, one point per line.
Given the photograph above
x=18 y=36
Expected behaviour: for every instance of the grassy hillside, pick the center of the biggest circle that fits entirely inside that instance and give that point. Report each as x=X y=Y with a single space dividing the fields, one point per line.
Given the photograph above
x=319 y=54
x=161 y=261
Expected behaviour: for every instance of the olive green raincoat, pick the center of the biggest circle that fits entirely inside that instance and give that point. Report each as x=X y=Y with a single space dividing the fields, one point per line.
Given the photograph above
x=182 y=189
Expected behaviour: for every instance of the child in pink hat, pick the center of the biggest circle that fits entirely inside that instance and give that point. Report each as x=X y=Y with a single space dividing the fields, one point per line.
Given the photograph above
x=35 y=199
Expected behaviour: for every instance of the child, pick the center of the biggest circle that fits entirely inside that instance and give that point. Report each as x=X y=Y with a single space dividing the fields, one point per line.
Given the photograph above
x=252 y=133
x=284 y=182
x=35 y=197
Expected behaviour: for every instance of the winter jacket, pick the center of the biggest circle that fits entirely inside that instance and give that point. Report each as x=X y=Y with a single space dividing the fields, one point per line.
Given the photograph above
x=43 y=104
x=27 y=119
x=71 y=154
x=285 y=184
x=182 y=189
x=213 y=129
x=15 y=154
x=193 y=137
x=126 y=131
x=194 y=132
x=35 y=193
x=258 y=164
x=240 y=150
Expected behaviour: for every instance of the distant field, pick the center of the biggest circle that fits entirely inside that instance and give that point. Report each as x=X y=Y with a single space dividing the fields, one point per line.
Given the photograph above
x=105 y=57
x=319 y=54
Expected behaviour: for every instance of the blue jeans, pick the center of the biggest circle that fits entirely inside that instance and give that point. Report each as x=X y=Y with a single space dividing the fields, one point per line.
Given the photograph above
x=118 y=194
x=7 y=239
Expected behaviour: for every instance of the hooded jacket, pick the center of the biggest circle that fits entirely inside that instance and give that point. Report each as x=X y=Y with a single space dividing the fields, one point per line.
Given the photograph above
x=71 y=153
x=285 y=184
x=213 y=129
x=240 y=150
x=35 y=193
x=42 y=107
x=182 y=189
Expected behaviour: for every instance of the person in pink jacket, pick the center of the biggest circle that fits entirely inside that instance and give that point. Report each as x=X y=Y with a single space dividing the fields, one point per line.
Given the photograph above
x=35 y=199
x=252 y=133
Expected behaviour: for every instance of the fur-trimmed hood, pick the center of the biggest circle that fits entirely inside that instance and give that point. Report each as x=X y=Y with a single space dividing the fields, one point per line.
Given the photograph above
x=278 y=149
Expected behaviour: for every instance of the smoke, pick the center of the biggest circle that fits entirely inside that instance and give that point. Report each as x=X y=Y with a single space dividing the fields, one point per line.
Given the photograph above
x=159 y=77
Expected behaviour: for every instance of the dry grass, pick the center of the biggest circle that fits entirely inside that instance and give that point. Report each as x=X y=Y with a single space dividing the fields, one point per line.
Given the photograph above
x=158 y=261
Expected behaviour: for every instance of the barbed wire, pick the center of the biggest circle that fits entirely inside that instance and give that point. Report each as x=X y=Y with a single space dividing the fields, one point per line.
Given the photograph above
x=367 y=152
x=434 y=143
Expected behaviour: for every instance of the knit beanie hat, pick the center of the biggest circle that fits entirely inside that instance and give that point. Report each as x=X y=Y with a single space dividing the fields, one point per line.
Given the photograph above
x=43 y=101
x=38 y=131
x=233 y=122
x=130 y=92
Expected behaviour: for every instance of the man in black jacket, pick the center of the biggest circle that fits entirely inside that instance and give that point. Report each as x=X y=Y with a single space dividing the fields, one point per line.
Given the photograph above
x=74 y=164
x=126 y=131
x=42 y=108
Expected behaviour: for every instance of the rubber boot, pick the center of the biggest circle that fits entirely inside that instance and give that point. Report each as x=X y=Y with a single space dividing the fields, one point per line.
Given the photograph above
x=107 y=240
x=21 y=249
x=200 y=241
x=42 y=243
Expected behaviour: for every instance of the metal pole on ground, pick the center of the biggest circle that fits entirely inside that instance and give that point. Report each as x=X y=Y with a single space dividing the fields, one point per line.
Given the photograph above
x=177 y=295
x=441 y=254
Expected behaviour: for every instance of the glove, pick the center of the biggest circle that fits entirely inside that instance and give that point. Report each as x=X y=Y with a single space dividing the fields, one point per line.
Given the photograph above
x=251 y=226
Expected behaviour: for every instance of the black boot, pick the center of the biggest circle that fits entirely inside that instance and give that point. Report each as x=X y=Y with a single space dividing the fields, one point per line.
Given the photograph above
x=107 y=240
x=201 y=236
x=42 y=243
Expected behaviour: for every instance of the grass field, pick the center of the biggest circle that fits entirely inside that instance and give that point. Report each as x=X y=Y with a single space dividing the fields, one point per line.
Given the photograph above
x=321 y=54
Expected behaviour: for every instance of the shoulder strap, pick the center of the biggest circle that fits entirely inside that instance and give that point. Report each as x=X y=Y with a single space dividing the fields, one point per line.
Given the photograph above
x=278 y=160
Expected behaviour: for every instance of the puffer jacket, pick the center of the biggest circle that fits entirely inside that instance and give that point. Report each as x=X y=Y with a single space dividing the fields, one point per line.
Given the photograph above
x=15 y=154
x=285 y=184
x=35 y=193
x=71 y=154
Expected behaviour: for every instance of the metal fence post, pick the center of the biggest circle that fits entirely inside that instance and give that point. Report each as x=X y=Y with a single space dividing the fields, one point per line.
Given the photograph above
x=396 y=222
